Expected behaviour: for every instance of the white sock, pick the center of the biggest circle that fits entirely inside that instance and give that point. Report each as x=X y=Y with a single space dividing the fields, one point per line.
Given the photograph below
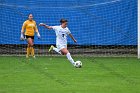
x=70 y=58
x=55 y=49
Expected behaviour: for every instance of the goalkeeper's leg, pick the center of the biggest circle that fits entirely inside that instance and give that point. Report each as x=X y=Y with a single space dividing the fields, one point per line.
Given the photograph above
x=28 y=51
x=31 y=49
x=32 y=52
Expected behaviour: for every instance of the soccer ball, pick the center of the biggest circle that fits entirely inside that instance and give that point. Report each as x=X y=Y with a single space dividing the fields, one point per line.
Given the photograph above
x=78 y=64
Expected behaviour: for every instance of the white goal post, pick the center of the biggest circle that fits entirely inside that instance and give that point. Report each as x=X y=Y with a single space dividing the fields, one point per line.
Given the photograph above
x=138 y=28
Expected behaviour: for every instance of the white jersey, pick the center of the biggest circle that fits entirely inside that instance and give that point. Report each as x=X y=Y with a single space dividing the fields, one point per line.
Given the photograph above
x=61 y=34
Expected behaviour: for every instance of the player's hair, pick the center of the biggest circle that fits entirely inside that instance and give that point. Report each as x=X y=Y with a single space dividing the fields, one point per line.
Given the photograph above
x=30 y=14
x=63 y=21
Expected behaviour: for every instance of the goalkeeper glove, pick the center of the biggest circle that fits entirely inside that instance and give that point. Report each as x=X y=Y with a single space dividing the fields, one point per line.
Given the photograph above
x=21 y=36
x=38 y=35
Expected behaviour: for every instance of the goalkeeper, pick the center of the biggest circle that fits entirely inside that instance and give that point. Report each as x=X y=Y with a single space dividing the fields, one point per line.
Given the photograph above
x=61 y=38
x=29 y=28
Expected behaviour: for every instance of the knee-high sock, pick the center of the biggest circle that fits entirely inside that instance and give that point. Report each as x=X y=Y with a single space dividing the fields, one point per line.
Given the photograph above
x=32 y=51
x=28 y=51
x=55 y=49
x=70 y=58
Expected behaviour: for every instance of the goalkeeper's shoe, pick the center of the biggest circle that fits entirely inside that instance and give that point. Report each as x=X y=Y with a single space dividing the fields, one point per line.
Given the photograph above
x=34 y=57
x=27 y=56
x=51 y=48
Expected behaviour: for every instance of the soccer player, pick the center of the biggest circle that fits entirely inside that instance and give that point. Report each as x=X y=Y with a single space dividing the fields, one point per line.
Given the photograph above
x=61 y=39
x=29 y=27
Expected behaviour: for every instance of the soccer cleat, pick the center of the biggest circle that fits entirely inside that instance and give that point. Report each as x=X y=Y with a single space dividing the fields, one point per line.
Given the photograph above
x=74 y=64
x=51 y=48
x=27 y=56
x=34 y=57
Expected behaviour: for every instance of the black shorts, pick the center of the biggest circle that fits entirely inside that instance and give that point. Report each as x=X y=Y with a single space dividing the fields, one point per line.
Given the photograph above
x=32 y=37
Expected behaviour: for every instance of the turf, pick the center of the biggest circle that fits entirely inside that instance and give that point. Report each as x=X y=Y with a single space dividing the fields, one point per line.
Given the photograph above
x=57 y=75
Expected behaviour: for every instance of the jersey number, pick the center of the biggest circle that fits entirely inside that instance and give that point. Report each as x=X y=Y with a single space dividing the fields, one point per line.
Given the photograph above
x=63 y=35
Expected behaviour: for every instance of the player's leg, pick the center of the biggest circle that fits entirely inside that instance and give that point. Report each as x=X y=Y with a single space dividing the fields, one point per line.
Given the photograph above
x=32 y=49
x=30 y=43
x=28 y=51
x=28 y=46
x=55 y=49
x=62 y=49
x=66 y=52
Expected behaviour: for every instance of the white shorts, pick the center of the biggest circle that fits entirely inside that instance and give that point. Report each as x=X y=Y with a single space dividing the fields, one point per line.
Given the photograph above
x=60 y=47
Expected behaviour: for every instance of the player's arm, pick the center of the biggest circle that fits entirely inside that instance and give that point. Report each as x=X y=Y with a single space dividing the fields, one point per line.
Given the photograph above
x=46 y=26
x=36 y=29
x=22 y=31
x=72 y=37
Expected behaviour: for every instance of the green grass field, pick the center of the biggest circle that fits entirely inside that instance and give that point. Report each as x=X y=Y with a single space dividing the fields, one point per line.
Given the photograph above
x=57 y=75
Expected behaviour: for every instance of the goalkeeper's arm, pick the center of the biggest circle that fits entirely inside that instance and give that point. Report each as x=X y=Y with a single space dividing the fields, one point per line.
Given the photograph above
x=22 y=31
x=22 y=34
x=37 y=32
x=46 y=26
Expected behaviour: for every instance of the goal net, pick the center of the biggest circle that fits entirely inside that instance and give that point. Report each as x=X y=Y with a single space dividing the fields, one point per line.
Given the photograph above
x=101 y=27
